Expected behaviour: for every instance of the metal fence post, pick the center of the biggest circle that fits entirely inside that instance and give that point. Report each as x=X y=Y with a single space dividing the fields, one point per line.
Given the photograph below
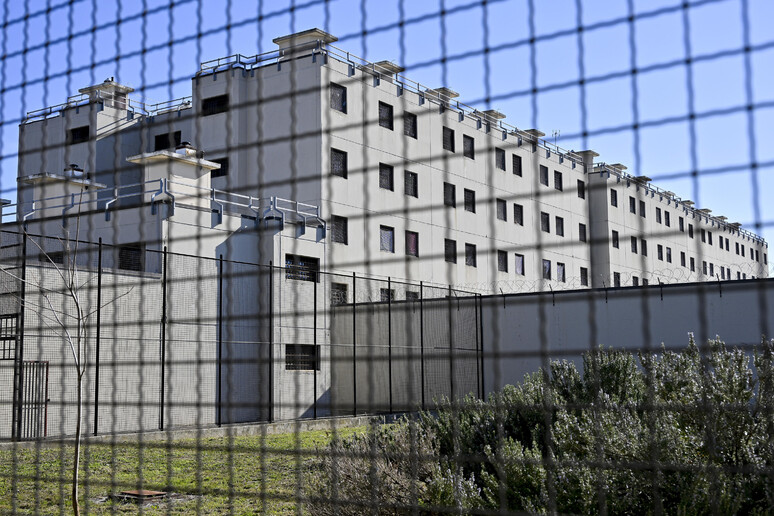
x=97 y=340
x=354 y=346
x=219 y=374
x=422 y=340
x=163 y=336
x=389 y=339
x=316 y=353
x=19 y=362
x=451 y=348
x=481 y=340
x=271 y=341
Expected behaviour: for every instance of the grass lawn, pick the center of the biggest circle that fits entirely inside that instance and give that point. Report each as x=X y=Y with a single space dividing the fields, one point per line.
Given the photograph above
x=243 y=475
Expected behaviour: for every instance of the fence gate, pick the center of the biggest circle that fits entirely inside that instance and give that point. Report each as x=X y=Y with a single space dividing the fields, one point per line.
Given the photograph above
x=34 y=400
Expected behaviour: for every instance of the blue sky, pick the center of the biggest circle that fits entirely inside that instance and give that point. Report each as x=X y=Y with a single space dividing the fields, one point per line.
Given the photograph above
x=706 y=158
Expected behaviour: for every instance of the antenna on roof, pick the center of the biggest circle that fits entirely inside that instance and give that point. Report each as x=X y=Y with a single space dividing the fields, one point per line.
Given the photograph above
x=555 y=134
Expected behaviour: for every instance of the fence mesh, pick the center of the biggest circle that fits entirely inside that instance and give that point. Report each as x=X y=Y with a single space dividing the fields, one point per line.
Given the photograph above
x=244 y=269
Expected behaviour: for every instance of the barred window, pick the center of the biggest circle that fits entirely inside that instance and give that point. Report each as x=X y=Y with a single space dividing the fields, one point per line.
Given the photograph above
x=448 y=139
x=519 y=264
x=412 y=243
x=560 y=272
x=581 y=189
x=410 y=124
x=518 y=214
x=468 y=146
x=658 y=215
x=681 y=224
x=643 y=247
x=682 y=258
x=338 y=97
x=667 y=219
x=709 y=237
x=517 y=165
x=582 y=232
x=558 y=183
x=613 y=198
x=545 y=222
x=615 y=239
x=450 y=250
x=302 y=268
x=131 y=257
x=690 y=232
x=634 y=244
x=386 y=295
x=560 y=226
x=387 y=239
x=78 y=135
x=635 y=281
x=660 y=252
x=669 y=255
x=215 y=105
x=470 y=255
x=693 y=264
x=339 y=163
x=616 y=279
x=386 y=179
x=412 y=295
x=502 y=261
x=339 y=229
x=301 y=357
x=543 y=175
x=642 y=213
x=547 y=269
x=410 y=183
x=712 y=269
x=632 y=205
x=385 y=116
x=500 y=159
x=584 y=276
x=449 y=195
x=502 y=210
x=470 y=201
x=339 y=293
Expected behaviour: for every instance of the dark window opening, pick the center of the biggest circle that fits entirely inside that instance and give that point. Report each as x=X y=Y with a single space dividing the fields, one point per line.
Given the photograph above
x=517 y=165
x=78 y=135
x=301 y=357
x=470 y=201
x=339 y=229
x=412 y=243
x=449 y=195
x=215 y=105
x=410 y=124
x=450 y=250
x=470 y=255
x=410 y=183
x=500 y=159
x=385 y=116
x=163 y=141
x=338 y=163
x=338 y=97
x=386 y=177
x=448 y=139
x=130 y=258
x=223 y=170
x=302 y=268
x=468 y=147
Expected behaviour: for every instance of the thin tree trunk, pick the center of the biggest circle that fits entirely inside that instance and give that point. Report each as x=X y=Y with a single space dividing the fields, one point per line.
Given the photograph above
x=76 y=462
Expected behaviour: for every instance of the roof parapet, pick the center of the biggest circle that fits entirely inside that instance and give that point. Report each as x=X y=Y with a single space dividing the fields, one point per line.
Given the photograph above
x=304 y=37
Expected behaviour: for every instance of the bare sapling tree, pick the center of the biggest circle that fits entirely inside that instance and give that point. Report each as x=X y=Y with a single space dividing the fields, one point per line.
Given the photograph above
x=64 y=307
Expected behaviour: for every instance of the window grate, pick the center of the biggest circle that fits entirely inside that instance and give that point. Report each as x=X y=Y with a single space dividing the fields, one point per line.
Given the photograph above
x=339 y=229
x=302 y=357
x=412 y=243
x=215 y=105
x=387 y=239
x=339 y=163
x=410 y=183
x=410 y=124
x=386 y=177
x=338 y=97
x=448 y=139
x=385 y=116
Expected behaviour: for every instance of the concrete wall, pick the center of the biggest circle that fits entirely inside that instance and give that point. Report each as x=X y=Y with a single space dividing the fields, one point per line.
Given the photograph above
x=521 y=331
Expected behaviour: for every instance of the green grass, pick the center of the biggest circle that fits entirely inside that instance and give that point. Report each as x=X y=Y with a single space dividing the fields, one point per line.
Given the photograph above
x=244 y=475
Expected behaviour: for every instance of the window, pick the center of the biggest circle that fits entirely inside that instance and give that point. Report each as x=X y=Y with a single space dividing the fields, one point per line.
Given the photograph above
x=632 y=205
x=386 y=177
x=726 y=244
x=387 y=239
x=560 y=226
x=751 y=249
x=448 y=139
x=545 y=222
x=519 y=264
x=412 y=243
x=642 y=211
x=410 y=124
x=470 y=201
x=613 y=198
x=667 y=221
x=709 y=237
x=560 y=272
x=690 y=230
x=669 y=254
x=581 y=189
x=215 y=105
x=339 y=294
x=338 y=163
x=163 y=141
x=737 y=247
x=616 y=279
x=517 y=165
x=720 y=241
x=502 y=261
x=681 y=224
x=582 y=232
x=644 y=282
x=634 y=244
x=660 y=252
x=558 y=184
x=757 y=256
x=658 y=215
x=543 y=175
x=615 y=239
x=131 y=257
x=301 y=357
x=339 y=229
x=385 y=116
x=518 y=214
x=693 y=264
x=547 y=269
x=703 y=235
x=500 y=159
x=682 y=258
x=712 y=269
x=223 y=170
x=78 y=135
x=412 y=295
x=502 y=210
x=301 y=268
x=765 y=257
x=635 y=281
x=410 y=183
x=450 y=250
x=338 y=97
x=722 y=272
x=449 y=195
x=470 y=255
x=584 y=276
x=386 y=295
x=643 y=247
x=468 y=146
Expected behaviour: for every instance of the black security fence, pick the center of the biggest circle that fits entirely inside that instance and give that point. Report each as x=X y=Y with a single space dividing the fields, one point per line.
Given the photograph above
x=165 y=340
